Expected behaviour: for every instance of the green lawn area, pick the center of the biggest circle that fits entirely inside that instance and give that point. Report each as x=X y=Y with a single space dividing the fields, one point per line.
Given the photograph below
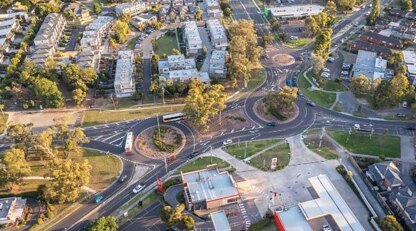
x=165 y=44
x=201 y=163
x=298 y=43
x=338 y=107
x=303 y=83
x=265 y=224
x=325 y=150
x=263 y=161
x=3 y=121
x=253 y=147
x=323 y=99
x=132 y=42
x=332 y=85
x=257 y=77
x=360 y=143
x=151 y=198
x=94 y=117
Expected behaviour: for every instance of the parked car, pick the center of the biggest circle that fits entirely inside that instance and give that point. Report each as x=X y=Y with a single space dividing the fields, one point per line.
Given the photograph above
x=138 y=188
x=193 y=154
x=357 y=126
x=98 y=199
x=289 y=82
x=330 y=60
x=344 y=72
x=402 y=115
x=312 y=104
x=122 y=178
x=293 y=37
x=326 y=228
x=326 y=69
x=226 y=142
x=325 y=75
x=272 y=124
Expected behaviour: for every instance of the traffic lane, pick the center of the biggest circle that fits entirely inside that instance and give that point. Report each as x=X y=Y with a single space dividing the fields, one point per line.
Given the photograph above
x=148 y=219
x=104 y=147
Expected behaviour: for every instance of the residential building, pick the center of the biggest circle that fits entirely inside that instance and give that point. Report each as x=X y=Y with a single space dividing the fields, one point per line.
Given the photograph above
x=410 y=61
x=131 y=8
x=328 y=202
x=82 y=14
x=357 y=45
x=403 y=203
x=47 y=38
x=192 y=38
x=143 y=20
x=218 y=35
x=218 y=64
x=381 y=40
x=220 y=221
x=369 y=65
x=385 y=174
x=295 y=11
x=124 y=83
x=12 y=209
x=179 y=68
x=89 y=59
x=208 y=188
x=94 y=33
x=213 y=9
x=8 y=27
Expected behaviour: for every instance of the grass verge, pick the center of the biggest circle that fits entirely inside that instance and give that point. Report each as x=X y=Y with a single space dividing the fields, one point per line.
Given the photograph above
x=92 y=118
x=333 y=85
x=150 y=199
x=298 y=43
x=3 y=121
x=239 y=150
x=266 y=224
x=321 y=98
x=263 y=161
x=165 y=44
x=257 y=77
x=201 y=163
x=362 y=143
x=326 y=151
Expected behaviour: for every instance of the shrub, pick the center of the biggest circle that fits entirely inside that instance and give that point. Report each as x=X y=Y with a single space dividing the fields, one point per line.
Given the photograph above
x=170 y=182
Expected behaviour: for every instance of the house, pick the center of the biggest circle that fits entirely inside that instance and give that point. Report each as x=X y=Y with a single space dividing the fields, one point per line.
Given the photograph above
x=12 y=209
x=82 y=14
x=217 y=33
x=292 y=12
x=179 y=68
x=143 y=20
x=357 y=45
x=192 y=38
x=213 y=9
x=124 y=83
x=218 y=64
x=385 y=174
x=381 y=40
x=403 y=203
x=208 y=188
x=131 y=8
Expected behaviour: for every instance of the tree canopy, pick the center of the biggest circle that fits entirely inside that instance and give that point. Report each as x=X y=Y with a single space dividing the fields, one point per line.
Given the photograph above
x=375 y=12
x=14 y=168
x=389 y=223
x=104 y=224
x=323 y=43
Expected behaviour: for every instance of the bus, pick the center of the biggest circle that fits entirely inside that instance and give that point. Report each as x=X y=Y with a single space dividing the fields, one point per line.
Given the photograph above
x=128 y=147
x=173 y=117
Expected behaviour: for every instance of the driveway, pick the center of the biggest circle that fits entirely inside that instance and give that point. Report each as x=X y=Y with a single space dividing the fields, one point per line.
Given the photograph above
x=171 y=193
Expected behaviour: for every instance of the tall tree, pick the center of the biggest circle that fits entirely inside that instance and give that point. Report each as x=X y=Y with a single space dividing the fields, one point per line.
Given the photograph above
x=375 y=12
x=21 y=134
x=323 y=43
x=399 y=88
x=198 y=14
x=43 y=144
x=389 y=223
x=361 y=86
x=48 y=92
x=346 y=4
x=104 y=224
x=331 y=7
x=14 y=168
x=407 y=5
x=188 y=221
x=121 y=31
x=74 y=140
x=172 y=216
x=318 y=63
x=67 y=179
x=78 y=95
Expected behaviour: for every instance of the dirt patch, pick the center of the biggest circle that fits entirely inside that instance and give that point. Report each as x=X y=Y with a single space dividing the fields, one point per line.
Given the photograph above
x=283 y=59
x=144 y=143
x=261 y=111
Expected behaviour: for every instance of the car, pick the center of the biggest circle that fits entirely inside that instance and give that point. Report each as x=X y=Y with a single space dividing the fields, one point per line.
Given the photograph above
x=293 y=37
x=226 y=142
x=138 y=188
x=193 y=154
x=326 y=69
x=300 y=93
x=330 y=60
x=411 y=128
x=122 y=178
x=289 y=82
x=402 y=115
x=272 y=124
x=356 y=126
x=326 y=228
x=98 y=199
x=344 y=72
x=325 y=75
x=312 y=104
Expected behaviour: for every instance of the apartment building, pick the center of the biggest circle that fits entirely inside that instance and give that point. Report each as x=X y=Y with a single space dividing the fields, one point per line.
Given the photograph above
x=213 y=9
x=12 y=209
x=143 y=20
x=179 y=68
x=192 y=38
x=47 y=38
x=124 y=83
x=218 y=64
x=89 y=59
x=131 y=8
x=218 y=34
x=94 y=32
x=7 y=29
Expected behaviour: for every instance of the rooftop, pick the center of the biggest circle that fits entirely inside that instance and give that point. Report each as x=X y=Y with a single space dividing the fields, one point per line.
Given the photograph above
x=220 y=221
x=99 y=22
x=192 y=34
x=124 y=67
x=216 y=29
x=296 y=10
x=369 y=65
x=293 y=219
x=209 y=184
x=11 y=208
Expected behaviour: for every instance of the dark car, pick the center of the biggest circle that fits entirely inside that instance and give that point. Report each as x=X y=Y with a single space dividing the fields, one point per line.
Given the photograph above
x=402 y=115
x=192 y=155
x=272 y=124
x=289 y=82
x=122 y=178
x=312 y=104
x=411 y=128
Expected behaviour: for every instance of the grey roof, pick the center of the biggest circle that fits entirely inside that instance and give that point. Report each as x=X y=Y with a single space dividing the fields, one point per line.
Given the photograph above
x=369 y=65
x=404 y=196
x=220 y=221
x=11 y=209
x=387 y=172
x=393 y=41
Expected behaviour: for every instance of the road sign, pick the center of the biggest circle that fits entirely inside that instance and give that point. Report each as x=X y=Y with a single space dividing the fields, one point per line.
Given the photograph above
x=266 y=11
x=159 y=186
x=274 y=163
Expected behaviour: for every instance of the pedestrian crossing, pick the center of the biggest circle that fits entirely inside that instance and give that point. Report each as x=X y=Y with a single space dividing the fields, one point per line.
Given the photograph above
x=115 y=138
x=247 y=222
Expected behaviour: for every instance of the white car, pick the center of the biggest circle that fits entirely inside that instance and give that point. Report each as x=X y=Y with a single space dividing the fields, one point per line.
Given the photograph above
x=325 y=74
x=344 y=72
x=357 y=126
x=138 y=188
x=227 y=142
x=326 y=69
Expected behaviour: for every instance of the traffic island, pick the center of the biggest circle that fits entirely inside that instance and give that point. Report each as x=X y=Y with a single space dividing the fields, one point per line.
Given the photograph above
x=272 y=115
x=283 y=59
x=160 y=142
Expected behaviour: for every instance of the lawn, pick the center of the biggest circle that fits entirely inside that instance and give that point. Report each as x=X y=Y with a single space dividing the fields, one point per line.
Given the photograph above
x=298 y=43
x=151 y=198
x=325 y=150
x=361 y=143
x=94 y=117
x=28 y=189
x=257 y=77
x=165 y=44
x=132 y=42
x=266 y=224
x=3 y=121
x=263 y=161
x=333 y=85
x=201 y=163
x=338 y=107
x=253 y=147
x=321 y=98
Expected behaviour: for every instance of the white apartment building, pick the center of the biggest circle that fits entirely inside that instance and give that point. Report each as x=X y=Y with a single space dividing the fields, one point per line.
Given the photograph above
x=218 y=64
x=192 y=38
x=124 y=84
x=12 y=209
x=131 y=8
x=213 y=9
x=179 y=68
x=295 y=11
x=47 y=38
x=89 y=59
x=218 y=34
x=92 y=36
x=7 y=29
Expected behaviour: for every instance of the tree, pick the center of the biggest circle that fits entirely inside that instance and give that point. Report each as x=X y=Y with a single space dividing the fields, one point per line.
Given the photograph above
x=323 y=43
x=395 y=58
x=268 y=39
x=189 y=222
x=175 y=51
x=75 y=138
x=14 y=168
x=104 y=224
x=331 y=7
x=21 y=134
x=43 y=9
x=361 y=86
x=69 y=14
x=281 y=101
x=43 y=143
x=78 y=95
x=375 y=13
x=274 y=24
x=121 y=31
x=79 y=78
x=97 y=7
x=172 y=216
x=346 y=4
x=198 y=14
x=399 y=88
x=317 y=23
x=2 y=106
x=48 y=92
x=318 y=63
x=407 y=5
x=227 y=12
x=67 y=178
x=389 y=223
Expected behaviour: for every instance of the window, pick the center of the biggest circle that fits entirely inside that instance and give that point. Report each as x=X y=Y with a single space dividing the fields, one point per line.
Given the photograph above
x=232 y=200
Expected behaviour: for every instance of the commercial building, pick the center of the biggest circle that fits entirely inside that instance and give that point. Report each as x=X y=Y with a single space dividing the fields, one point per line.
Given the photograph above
x=131 y=8
x=124 y=83
x=220 y=221
x=11 y=210
x=179 y=68
x=208 y=188
x=329 y=203
x=192 y=38
x=218 y=64
x=47 y=38
x=213 y=9
x=218 y=34
x=369 y=65
x=94 y=32
x=143 y=20
x=295 y=11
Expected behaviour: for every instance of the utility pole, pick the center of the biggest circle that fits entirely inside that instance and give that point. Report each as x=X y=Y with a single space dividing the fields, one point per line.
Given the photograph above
x=166 y=165
x=245 y=151
x=220 y=116
x=158 y=125
x=163 y=95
